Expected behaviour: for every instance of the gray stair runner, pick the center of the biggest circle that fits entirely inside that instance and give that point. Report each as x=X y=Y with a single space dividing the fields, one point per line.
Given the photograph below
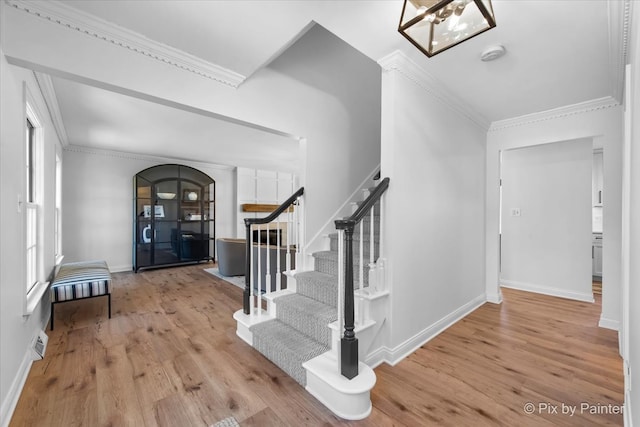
x=300 y=331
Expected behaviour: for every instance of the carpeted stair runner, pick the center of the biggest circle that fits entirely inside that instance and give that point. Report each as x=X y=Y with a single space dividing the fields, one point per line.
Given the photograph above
x=300 y=331
x=286 y=347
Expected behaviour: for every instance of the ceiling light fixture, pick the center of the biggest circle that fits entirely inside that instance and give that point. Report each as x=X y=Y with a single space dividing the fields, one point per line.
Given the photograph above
x=434 y=26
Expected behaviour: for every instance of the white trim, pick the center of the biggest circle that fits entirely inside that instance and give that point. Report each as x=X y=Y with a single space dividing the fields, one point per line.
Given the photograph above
x=121 y=268
x=556 y=113
x=348 y=399
x=11 y=399
x=399 y=61
x=495 y=299
x=609 y=323
x=619 y=34
x=51 y=100
x=546 y=290
x=397 y=354
x=628 y=419
x=92 y=26
x=34 y=296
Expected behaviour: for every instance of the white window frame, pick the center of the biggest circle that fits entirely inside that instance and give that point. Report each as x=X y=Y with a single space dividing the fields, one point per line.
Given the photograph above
x=35 y=285
x=57 y=243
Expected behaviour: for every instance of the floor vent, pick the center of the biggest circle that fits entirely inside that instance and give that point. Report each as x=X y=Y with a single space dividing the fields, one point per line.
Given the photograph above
x=39 y=345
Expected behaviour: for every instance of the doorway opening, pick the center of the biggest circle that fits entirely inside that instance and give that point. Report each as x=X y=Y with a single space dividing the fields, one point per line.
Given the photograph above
x=597 y=198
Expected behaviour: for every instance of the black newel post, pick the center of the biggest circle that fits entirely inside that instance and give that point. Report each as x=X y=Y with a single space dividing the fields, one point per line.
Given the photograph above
x=246 y=295
x=349 y=342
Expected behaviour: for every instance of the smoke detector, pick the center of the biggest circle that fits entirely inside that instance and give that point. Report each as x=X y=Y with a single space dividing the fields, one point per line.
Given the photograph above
x=492 y=53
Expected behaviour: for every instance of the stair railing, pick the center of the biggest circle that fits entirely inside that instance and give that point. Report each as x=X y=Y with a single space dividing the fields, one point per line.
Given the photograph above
x=258 y=282
x=346 y=227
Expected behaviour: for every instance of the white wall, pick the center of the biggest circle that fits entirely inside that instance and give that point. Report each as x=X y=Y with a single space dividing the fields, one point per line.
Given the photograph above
x=546 y=245
x=320 y=89
x=98 y=203
x=16 y=331
x=600 y=120
x=434 y=157
x=632 y=398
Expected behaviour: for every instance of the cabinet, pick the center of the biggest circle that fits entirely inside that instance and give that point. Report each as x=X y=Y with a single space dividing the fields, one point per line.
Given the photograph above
x=597 y=178
x=174 y=217
x=596 y=254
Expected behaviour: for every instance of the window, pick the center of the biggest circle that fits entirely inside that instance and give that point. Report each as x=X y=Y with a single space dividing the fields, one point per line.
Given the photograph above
x=33 y=190
x=32 y=207
x=57 y=242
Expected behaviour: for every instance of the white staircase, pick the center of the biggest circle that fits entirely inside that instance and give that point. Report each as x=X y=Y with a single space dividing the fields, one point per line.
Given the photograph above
x=300 y=328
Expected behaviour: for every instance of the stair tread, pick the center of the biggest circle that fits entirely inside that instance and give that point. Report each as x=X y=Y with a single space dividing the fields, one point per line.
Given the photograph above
x=356 y=236
x=307 y=315
x=310 y=306
x=320 y=286
x=286 y=347
x=333 y=256
x=316 y=275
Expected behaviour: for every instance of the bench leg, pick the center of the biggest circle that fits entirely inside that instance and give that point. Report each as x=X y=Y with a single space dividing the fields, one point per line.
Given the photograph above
x=52 y=305
x=109 y=295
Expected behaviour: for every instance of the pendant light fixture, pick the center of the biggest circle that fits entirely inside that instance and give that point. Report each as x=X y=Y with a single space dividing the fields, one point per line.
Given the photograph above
x=434 y=26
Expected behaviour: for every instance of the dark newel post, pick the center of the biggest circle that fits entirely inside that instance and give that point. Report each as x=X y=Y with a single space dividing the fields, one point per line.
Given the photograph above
x=246 y=295
x=349 y=342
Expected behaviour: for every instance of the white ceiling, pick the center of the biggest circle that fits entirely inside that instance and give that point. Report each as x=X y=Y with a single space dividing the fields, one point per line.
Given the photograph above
x=559 y=52
x=97 y=118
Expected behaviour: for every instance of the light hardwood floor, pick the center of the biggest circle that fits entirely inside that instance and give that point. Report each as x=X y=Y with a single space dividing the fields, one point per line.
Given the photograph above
x=170 y=357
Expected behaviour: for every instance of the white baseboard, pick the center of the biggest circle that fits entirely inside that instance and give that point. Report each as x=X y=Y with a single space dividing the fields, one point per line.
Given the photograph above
x=11 y=400
x=609 y=323
x=495 y=298
x=121 y=268
x=628 y=420
x=378 y=357
x=541 y=289
x=398 y=353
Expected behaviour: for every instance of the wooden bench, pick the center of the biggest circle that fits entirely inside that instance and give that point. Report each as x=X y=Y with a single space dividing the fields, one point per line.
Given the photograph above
x=80 y=280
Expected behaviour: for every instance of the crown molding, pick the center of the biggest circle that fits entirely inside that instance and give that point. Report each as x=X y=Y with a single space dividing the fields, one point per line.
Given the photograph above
x=143 y=157
x=49 y=94
x=92 y=26
x=399 y=62
x=556 y=113
x=619 y=35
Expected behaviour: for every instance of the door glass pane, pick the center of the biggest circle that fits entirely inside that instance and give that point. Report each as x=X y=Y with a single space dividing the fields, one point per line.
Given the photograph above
x=165 y=242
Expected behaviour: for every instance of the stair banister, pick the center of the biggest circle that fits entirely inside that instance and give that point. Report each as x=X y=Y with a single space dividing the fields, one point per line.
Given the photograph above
x=349 y=341
x=248 y=222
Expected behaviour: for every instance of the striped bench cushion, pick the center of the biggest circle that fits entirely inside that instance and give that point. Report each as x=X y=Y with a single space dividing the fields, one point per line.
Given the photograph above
x=76 y=280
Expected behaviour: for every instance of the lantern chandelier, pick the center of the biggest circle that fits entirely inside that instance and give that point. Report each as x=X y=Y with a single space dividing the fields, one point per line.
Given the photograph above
x=434 y=26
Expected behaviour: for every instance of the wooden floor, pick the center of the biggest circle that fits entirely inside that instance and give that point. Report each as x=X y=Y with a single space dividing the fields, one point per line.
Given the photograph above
x=170 y=357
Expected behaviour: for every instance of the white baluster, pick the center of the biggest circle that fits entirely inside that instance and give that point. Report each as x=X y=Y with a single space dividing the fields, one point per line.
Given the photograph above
x=300 y=233
x=372 y=237
x=381 y=285
x=289 y=240
x=252 y=277
x=383 y=199
x=361 y=258
x=259 y=299
x=372 y=276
